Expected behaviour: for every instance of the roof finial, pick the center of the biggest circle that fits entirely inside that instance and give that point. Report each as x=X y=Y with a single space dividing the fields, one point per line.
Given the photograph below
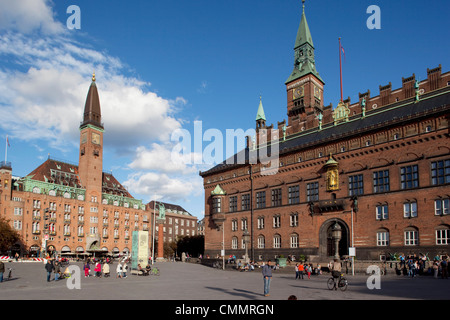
x=303 y=2
x=93 y=76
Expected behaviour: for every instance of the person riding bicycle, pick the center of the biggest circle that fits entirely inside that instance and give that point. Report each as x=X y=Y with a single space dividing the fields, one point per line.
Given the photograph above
x=335 y=271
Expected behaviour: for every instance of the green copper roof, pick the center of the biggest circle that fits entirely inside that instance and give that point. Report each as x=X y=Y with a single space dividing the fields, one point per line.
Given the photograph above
x=304 y=62
x=218 y=191
x=303 y=33
x=260 y=115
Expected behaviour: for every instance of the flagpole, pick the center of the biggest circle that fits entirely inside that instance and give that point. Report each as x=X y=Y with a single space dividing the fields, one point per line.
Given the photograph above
x=153 y=233
x=6 y=149
x=340 y=67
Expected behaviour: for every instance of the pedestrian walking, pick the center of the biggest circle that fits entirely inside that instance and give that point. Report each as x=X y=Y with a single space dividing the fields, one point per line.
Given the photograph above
x=296 y=271
x=435 y=269
x=87 y=269
x=98 y=270
x=49 y=267
x=308 y=270
x=444 y=270
x=2 y=270
x=57 y=270
x=125 y=269
x=267 y=275
x=301 y=270
x=119 y=270
x=106 y=270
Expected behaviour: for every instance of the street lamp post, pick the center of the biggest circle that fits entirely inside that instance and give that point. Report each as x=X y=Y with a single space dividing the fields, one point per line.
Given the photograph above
x=246 y=238
x=336 y=233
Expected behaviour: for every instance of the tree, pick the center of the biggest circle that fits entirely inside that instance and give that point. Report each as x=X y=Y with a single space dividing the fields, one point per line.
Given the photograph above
x=194 y=245
x=8 y=236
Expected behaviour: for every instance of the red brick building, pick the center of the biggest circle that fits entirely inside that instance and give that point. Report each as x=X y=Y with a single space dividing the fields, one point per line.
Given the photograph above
x=378 y=168
x=70 y=208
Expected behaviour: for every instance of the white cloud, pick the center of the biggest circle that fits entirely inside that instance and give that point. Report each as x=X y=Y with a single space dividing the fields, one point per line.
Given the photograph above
x=161 y=186
x=28 y=15
x=44 y=80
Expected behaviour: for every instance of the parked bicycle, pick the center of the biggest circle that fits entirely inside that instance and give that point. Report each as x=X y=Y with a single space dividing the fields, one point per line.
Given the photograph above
x=217 y=265
x=154 y=271
x=341 y=283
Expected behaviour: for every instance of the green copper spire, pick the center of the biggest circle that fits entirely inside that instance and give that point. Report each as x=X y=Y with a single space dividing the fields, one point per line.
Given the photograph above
x=303 y=33
x=304 y=62
x=260 y=115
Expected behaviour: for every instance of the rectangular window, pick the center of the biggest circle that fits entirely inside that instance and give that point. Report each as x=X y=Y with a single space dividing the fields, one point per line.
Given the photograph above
x=410 y=209
x=312 y=191
x=440 y=172
x=217 y=205
x=409 y=177
x=233 y=203
x=276 y=197
x=261 y=199
x=441 y=207
x=294 y=196
x=355 y=185
x=381 y=181
x=382 y=212
x=245 y=202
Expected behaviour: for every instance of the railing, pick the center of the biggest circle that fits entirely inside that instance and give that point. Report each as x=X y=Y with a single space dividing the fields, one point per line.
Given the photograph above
x=5 y=165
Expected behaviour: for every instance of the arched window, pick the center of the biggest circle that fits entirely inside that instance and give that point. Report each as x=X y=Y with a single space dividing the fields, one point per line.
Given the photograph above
x=411 y=236
x=277 y=241
x=294 y=240
x=382 y=237
x=234 y=243
x=443 y=235
x=261 y=242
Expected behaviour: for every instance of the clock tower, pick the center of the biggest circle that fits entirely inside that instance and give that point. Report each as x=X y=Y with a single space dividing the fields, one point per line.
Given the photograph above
x=304 y=87
x=90 y=165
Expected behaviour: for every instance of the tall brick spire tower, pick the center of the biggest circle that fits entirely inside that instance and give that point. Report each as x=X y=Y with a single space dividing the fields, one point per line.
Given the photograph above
x=304 y=86
x=90 y=165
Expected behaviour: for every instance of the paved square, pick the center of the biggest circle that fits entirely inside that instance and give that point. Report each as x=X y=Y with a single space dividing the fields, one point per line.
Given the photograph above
x=188 y=281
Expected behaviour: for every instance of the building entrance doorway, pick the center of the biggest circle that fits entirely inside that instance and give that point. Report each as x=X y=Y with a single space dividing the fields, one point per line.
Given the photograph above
x=327 y=248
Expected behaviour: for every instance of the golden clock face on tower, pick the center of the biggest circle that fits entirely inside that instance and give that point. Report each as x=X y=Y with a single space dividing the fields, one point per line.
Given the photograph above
x=298 y=92
x=95 y=138
x=317 y=92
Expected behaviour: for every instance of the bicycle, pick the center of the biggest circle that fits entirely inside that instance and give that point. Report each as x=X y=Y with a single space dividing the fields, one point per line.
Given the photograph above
x=342 y=283
x=217 y=265
x=154 y=271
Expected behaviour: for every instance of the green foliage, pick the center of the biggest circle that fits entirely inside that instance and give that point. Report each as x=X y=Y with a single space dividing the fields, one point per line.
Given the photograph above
x=8 y=236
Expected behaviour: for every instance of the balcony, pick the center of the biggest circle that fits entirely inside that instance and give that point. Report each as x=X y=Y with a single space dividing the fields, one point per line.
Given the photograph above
x=330 y=205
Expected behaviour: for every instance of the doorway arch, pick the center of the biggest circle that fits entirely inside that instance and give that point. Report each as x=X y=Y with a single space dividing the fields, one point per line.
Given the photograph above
x=326 y=243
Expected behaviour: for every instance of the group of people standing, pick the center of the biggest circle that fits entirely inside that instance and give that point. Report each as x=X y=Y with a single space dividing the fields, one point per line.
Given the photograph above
x=99 y=269
x=304 y=268
x=412 y=266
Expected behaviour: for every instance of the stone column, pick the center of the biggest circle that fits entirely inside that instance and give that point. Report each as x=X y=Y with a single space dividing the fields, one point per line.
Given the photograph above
x=160 y=256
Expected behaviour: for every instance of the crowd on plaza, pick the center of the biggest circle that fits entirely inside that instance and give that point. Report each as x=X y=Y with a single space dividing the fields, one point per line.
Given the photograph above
x=412 y=266
x=96 y=268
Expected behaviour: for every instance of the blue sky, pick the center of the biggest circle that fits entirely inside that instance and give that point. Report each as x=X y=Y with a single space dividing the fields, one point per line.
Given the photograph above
x=161 y=65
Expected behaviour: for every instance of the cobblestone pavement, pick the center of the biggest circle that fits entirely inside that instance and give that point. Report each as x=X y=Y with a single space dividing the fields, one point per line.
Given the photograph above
x=187 y=281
